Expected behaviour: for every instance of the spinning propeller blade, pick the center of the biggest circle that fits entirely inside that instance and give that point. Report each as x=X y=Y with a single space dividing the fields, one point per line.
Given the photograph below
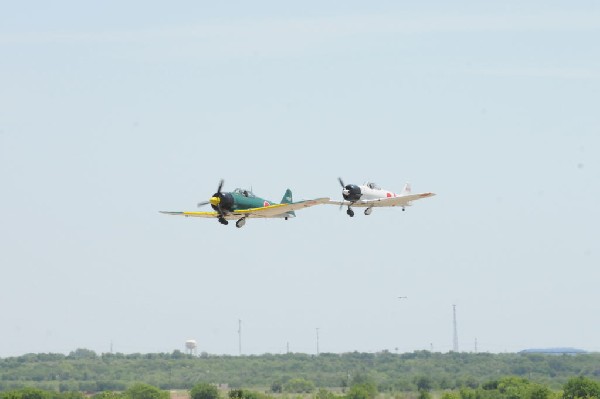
x=217 y=194
x=343 y=188
x=219 y=209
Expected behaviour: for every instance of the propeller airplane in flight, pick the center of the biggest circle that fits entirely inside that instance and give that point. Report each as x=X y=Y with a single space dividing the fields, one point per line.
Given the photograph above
x=241 y=204
x=370 y=196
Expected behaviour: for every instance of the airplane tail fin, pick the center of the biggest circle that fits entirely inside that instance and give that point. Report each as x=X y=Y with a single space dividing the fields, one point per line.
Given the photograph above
x=406 y=190
x=287 y=199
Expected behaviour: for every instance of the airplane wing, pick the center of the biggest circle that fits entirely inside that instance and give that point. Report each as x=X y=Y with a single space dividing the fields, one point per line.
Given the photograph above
x=271 y=211
x=403 y=200
x=196 y=214
x=278 y=209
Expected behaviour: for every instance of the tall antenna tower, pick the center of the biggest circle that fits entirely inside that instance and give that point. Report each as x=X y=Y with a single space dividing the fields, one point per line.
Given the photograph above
x=317 y=341
x=240 y=335
x=455 y=343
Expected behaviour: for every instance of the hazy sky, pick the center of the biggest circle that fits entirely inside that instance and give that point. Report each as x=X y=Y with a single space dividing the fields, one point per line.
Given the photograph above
x=111 y=111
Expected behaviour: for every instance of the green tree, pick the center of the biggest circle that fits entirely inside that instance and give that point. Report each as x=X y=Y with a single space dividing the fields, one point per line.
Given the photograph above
x=82 y=354
x=204 y=390
x=299 y=385
x=423 y=394
x=423 y=383
x=33 y=393
x=108 y=395
x=581 y=387
x=145 y=391
x=490 y=385
x=26 y=393
x=236 y=394
x=539 y=392
x=277 y=387
x=246 y=394
x=70 y=395
x=177 y=354
x=360 y=378
x=362 y=391
x=324 y=394
x=468 y=393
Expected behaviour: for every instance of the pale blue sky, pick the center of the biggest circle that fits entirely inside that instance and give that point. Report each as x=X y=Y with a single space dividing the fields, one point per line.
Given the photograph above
x=111 y=111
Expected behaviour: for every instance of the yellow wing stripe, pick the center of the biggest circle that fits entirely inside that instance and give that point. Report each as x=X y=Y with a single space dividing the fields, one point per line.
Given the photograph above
x=275 y=210
x=240 y=212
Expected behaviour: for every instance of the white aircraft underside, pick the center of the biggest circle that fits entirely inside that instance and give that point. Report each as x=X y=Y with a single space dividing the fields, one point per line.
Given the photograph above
x=369 y=195
x=402 y=201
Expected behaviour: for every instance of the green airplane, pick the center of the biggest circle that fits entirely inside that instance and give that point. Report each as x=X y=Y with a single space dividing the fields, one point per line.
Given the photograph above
x=241 y=204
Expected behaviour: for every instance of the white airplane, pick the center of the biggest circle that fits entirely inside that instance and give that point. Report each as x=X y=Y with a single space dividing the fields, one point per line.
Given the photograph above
x=370 y=196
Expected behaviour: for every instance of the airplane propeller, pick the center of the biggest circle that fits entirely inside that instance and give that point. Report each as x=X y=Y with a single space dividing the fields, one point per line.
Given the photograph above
x=343 y=188
x=350 y=192
x=221 y=202
x=203 y=203
x=220 y=210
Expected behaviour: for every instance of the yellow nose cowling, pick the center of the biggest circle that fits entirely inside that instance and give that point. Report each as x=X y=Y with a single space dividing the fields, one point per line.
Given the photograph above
x=215 y=201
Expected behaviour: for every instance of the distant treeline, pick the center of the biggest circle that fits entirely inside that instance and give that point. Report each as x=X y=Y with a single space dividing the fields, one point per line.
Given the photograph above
x=362 y=388
x=85 y=371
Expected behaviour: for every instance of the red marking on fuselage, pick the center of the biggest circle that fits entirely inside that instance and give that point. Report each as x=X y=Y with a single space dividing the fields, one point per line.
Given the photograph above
x=266 y=203
x=389 y=195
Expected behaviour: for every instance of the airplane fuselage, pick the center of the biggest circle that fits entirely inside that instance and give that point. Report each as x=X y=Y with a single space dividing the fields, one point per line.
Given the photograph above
x=368 y=193
x=244 y=202
x=242 y=199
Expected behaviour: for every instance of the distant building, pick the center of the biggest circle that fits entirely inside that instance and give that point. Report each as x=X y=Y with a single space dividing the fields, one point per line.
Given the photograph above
x=555 y=351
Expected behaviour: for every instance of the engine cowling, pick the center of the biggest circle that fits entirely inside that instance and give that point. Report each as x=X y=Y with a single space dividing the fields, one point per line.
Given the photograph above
x=351 y=192
x=222 y=200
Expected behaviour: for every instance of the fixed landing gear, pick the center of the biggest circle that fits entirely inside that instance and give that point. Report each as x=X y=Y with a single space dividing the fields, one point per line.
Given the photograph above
x=240 y=223
x=368 y=211
x=403 y=209
x=350 y=212
x=223 y=221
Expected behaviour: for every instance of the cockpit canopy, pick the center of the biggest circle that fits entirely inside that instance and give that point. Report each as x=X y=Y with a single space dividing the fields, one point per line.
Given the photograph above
x=244 y=192
x=372 y=186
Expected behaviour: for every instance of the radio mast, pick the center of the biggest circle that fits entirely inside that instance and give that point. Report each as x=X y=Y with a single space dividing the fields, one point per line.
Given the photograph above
x=455 y=344
x=240 y=335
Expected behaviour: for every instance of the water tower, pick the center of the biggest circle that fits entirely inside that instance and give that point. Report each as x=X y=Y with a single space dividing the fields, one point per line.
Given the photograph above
x=191 y=347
